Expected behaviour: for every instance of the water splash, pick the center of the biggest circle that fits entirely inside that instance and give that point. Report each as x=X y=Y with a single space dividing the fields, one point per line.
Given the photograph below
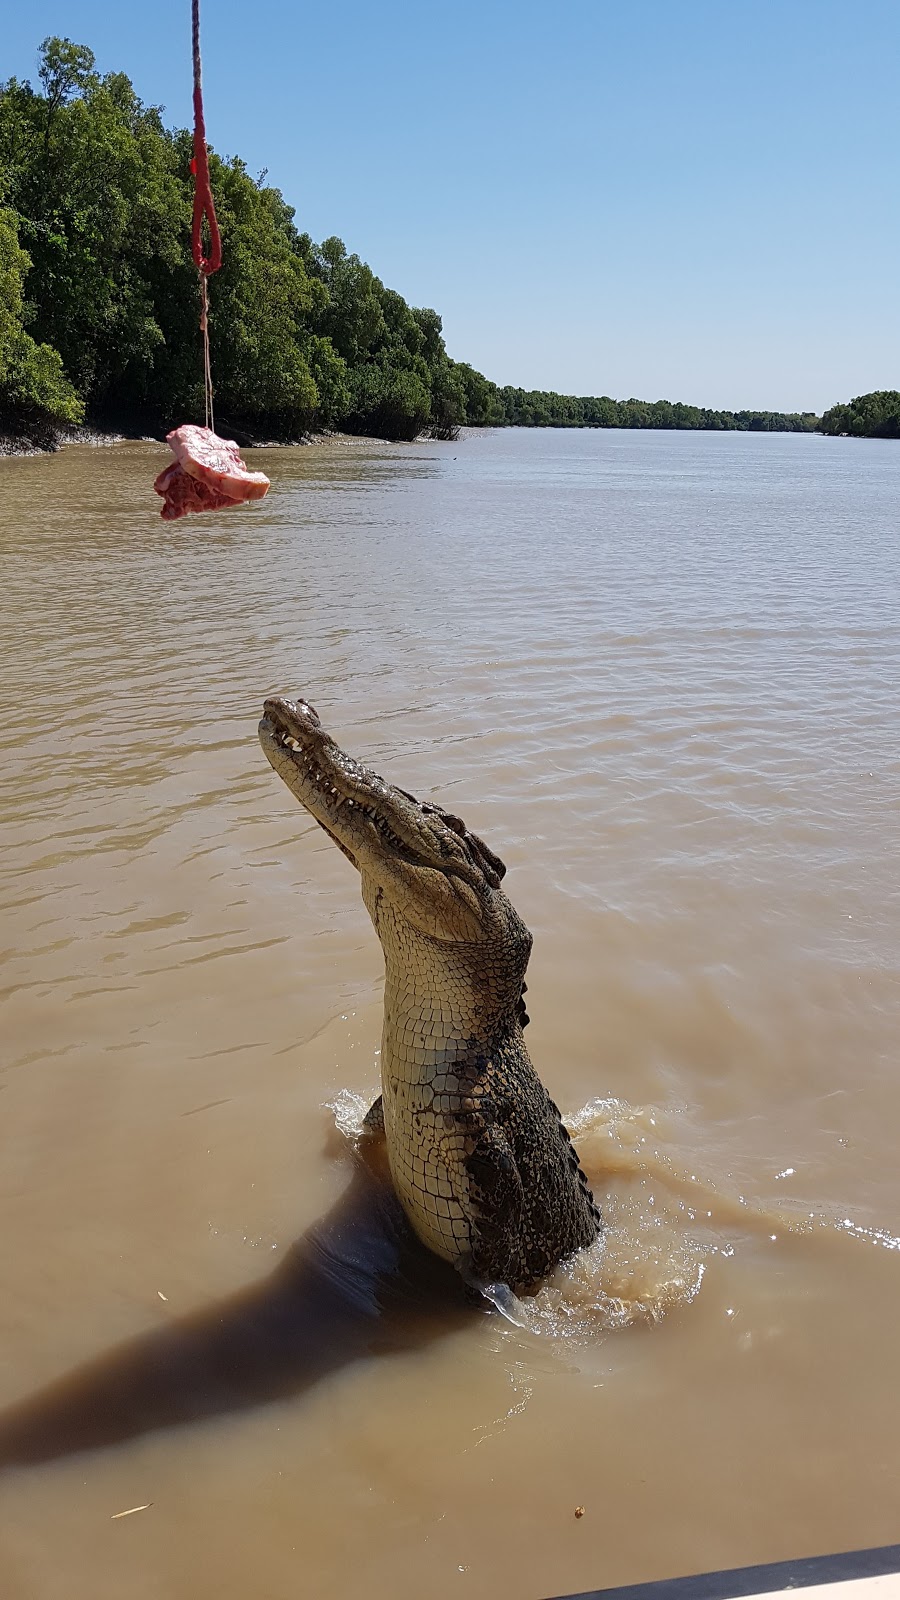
x=349 y=1109
x=878 y=1236
x=643 y=1266
x=663 y=1225
x=622 y=1141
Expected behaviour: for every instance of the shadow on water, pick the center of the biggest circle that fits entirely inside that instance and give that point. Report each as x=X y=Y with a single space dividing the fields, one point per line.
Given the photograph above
x=358 y=1284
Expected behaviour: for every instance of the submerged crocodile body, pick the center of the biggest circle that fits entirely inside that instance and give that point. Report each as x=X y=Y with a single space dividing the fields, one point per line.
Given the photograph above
x=482 y=1164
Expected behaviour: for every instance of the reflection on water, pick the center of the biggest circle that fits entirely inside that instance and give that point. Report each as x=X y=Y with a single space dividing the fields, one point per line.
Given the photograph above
x=658 y=674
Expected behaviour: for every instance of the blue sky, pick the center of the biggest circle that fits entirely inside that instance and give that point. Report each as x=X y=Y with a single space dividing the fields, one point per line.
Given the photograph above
x=654 y=197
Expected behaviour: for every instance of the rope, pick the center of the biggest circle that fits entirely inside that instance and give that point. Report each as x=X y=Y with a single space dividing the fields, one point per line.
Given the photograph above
x=203 y=207
x=207 y=369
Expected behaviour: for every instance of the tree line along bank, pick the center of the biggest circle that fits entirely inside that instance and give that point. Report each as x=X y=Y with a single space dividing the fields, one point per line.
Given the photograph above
x=99 y=309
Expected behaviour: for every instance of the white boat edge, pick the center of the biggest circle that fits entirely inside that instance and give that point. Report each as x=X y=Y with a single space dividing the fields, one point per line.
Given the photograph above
x=872 y=1574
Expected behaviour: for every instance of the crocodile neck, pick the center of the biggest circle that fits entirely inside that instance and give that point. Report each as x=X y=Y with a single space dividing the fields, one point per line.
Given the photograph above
x=442 y=1001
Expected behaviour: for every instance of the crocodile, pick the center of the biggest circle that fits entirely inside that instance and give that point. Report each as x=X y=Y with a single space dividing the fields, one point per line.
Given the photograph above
x=478 y=1153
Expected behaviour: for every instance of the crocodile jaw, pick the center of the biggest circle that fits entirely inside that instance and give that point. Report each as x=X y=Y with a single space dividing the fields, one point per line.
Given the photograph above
x=439 y=876
x=324 y=780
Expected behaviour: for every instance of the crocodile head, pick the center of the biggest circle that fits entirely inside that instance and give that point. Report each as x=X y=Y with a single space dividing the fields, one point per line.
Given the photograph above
x=417 y=861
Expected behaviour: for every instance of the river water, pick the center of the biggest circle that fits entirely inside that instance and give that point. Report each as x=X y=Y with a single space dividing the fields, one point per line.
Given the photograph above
x=659 y=674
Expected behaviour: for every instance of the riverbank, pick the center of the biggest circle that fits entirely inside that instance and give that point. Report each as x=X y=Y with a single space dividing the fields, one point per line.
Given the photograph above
x=39 y=439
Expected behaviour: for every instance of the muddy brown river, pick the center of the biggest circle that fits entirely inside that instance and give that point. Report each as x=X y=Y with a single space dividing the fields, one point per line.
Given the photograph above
x=660 y=674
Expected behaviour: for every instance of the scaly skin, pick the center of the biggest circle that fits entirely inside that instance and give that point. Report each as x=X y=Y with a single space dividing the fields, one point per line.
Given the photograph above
x=481 y=1162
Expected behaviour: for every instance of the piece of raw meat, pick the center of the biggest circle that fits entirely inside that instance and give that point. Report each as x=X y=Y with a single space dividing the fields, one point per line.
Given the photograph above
x=207 y=474
x=217 y=461
x=182 y=494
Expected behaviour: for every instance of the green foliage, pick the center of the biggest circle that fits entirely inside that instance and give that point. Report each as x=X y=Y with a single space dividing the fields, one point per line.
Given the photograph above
x=99 y=208
x=869 y=416
x=65 y=69
x=483 y=405
x=261 y=303
x=535 y=409
x=331 y=378
x=32 y=381
x=399 y=378
x=387 y=403
x=102 y=193
x=99 y=299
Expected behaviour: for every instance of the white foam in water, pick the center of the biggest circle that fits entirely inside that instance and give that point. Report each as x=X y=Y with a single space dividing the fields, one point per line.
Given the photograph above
x=636 y=1272
x=879 y=1236
x=349 y=1110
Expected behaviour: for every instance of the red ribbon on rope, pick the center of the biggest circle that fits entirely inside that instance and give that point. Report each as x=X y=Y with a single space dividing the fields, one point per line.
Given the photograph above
x=203 y=200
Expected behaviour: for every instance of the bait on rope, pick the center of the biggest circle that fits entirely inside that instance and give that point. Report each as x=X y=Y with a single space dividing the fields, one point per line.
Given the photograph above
x=207 y=473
